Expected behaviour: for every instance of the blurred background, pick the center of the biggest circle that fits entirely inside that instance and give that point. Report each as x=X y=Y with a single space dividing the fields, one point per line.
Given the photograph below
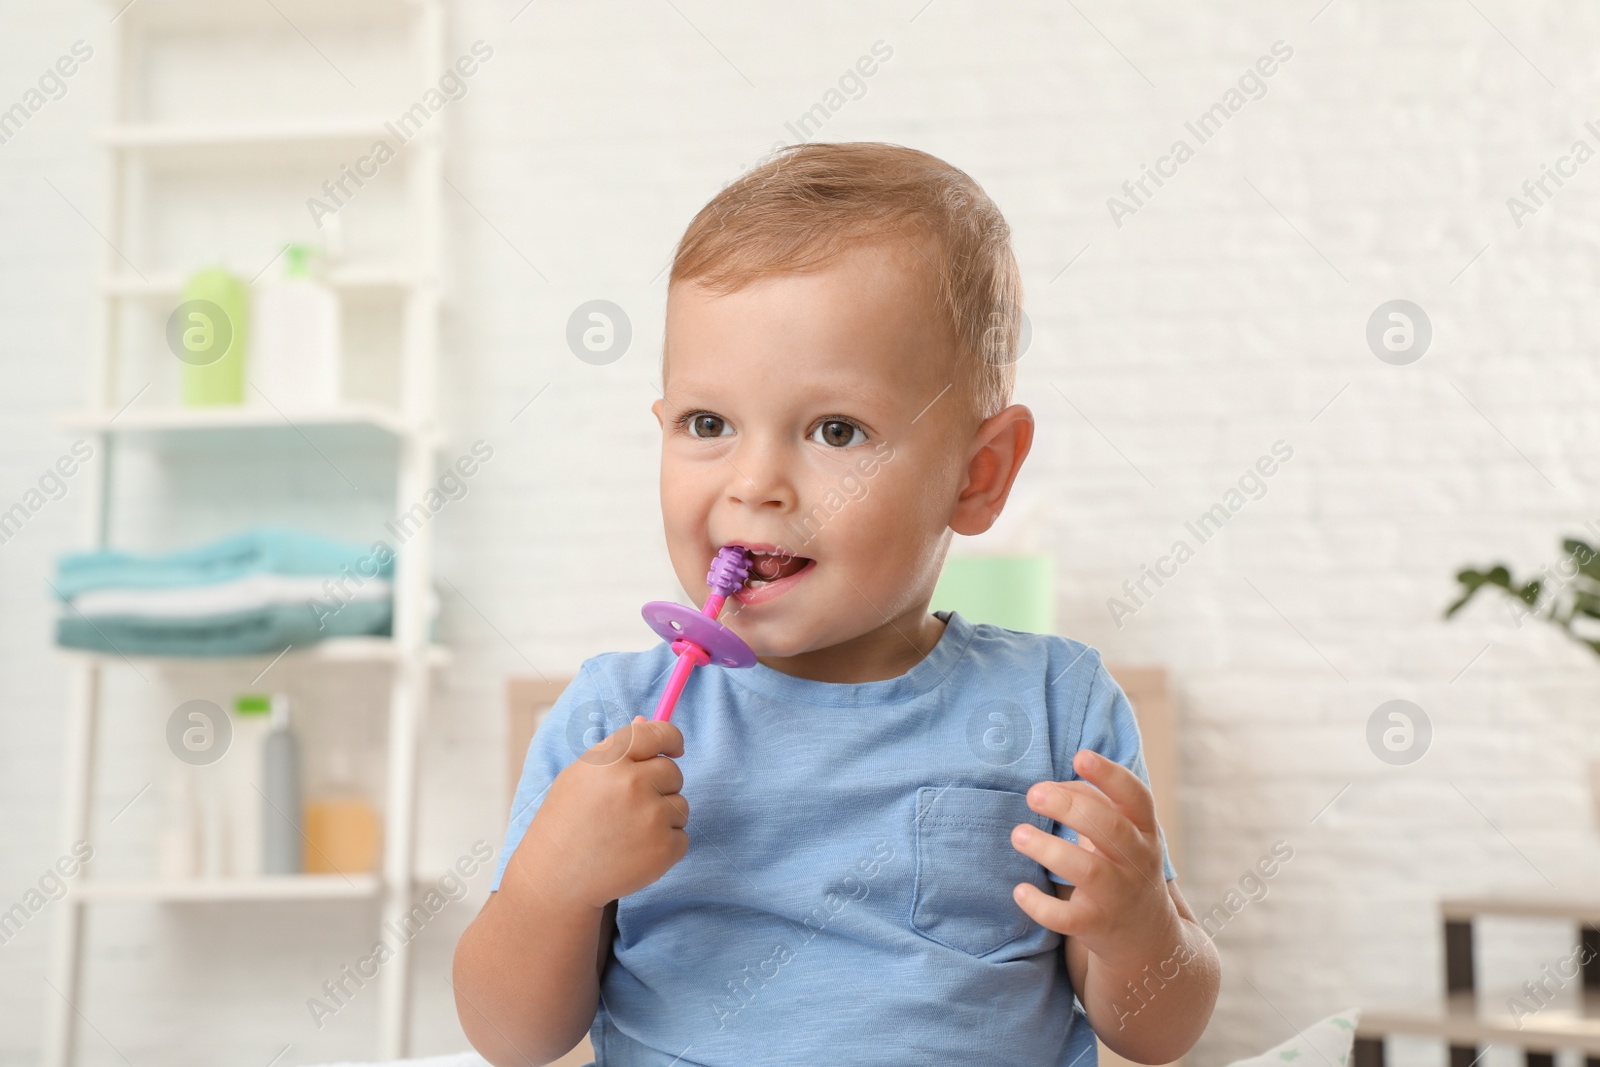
x=331 y=333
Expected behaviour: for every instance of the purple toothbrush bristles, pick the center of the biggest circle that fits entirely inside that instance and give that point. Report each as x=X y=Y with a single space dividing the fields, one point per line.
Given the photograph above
x=729 y=570
x=697 y=637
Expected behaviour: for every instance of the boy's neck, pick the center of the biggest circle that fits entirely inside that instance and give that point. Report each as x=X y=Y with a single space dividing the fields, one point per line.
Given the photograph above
x=884 y=652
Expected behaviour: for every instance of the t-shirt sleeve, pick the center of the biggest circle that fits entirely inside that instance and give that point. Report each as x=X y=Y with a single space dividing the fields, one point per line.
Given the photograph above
x=1109 y=728
x=579 y=718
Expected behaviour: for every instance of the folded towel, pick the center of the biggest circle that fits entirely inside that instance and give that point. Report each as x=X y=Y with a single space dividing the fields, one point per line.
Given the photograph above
x=257 y=592
x=251 y=593
x=263 y=550
x=264 y=631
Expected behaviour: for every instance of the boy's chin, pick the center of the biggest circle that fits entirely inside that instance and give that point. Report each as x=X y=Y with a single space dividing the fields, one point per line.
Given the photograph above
x=771 y=639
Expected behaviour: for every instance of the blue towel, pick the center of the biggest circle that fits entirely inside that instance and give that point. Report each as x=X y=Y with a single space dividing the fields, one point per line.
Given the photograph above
x=257 y=592
x=265 y=631
x=264 y=550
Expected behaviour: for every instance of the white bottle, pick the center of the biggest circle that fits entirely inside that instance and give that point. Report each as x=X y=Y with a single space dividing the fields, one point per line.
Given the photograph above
x=295 y=358
x=179 y=855
x=210 y=793
x=212 y=803
x=252 y=721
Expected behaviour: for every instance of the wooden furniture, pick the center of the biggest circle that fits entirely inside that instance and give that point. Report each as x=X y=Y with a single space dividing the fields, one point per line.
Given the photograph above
x=527 y=700
x=1153 y=706
x=1150 y=694
x=1468 y=1017
x=144 y=147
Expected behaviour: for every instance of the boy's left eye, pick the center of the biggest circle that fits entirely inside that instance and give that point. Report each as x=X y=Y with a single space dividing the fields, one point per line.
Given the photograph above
x=838 y=433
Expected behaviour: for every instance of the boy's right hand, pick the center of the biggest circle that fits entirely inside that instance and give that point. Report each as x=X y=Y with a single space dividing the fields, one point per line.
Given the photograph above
x=613 y=819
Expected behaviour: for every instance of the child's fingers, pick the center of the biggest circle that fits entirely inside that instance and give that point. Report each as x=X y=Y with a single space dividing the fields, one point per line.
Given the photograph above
x=1121 y=785
x=679 y=808
x=1086 y=810
x=652 y=737
x=1066 y=859
x=1063 y=916
x=664 y=774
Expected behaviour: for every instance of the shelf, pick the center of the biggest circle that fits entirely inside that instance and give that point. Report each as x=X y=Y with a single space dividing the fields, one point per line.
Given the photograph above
x=1486 y=1019
x=260 y=888
x=1532 y=905
x=352 y=280
x=282 y=887
x=219 y=428
x=165 y=136
x=239 y=145
x=189 y=15
x=368 y=419
x=366 y=650
x=359 y=651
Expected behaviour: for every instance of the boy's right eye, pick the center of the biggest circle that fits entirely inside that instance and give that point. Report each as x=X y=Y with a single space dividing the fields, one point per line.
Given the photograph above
x=704 y=424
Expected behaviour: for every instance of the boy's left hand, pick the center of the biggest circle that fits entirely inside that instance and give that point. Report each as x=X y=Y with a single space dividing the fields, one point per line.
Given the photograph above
x=1119 y=905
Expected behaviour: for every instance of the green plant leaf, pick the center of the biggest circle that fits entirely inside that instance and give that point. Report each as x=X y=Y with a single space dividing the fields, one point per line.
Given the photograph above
x=1582 y=598
x=1473 y=580
x=1587 y=559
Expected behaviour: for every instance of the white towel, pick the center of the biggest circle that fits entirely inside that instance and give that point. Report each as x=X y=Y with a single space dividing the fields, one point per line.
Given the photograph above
x=251 y=593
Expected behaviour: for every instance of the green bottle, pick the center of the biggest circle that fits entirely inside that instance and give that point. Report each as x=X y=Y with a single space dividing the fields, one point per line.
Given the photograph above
x=209 y=332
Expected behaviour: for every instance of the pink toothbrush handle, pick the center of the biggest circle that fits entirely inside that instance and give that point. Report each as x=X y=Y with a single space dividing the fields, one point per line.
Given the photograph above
x=690 y=657
x=728 y=572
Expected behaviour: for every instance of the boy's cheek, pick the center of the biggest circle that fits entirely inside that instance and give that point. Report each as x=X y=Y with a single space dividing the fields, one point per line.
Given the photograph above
x=909 y=500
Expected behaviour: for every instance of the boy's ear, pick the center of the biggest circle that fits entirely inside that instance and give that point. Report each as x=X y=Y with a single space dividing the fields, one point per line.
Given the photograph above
x=998 y=449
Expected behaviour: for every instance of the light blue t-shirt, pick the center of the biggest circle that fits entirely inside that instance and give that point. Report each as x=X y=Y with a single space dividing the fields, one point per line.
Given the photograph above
x=846 y=896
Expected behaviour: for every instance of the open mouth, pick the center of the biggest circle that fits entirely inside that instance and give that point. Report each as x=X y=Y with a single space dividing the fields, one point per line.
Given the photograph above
x=767 y=567
x=772 y=570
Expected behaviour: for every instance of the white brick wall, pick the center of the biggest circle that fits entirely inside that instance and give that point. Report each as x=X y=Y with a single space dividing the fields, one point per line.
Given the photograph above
x=1192 y=337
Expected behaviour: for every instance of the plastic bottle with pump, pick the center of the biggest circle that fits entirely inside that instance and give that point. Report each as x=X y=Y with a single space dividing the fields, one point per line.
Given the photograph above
x=295 y=358
x=251 y=724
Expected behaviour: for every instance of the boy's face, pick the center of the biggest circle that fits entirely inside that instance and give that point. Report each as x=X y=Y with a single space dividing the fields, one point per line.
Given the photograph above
x=815 y=416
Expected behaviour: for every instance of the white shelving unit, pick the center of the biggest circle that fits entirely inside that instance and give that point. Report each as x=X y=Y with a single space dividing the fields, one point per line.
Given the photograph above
x=351 y=650
x=357 y=418
x=345 y=279
x=116 y=419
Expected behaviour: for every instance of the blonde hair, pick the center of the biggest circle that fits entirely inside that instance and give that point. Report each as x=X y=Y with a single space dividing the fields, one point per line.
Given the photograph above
x=807 y=203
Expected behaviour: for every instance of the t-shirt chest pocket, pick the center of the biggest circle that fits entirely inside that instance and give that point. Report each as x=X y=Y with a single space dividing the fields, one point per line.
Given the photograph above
x=966 y=868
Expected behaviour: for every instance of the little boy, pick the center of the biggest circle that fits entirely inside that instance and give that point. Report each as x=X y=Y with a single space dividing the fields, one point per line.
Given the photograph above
x=900 y=838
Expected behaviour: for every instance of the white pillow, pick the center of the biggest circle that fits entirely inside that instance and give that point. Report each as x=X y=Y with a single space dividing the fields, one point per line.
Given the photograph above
x=1318 y=1045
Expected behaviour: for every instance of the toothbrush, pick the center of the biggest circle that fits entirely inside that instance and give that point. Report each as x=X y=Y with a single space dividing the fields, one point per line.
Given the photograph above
x=697 y=637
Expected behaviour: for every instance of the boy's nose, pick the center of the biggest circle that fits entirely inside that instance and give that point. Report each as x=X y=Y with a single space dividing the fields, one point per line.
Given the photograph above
x=761 y=479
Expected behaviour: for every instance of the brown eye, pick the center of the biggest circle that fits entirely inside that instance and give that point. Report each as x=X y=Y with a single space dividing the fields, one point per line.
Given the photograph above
x=706 y=425
x=838 y=434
